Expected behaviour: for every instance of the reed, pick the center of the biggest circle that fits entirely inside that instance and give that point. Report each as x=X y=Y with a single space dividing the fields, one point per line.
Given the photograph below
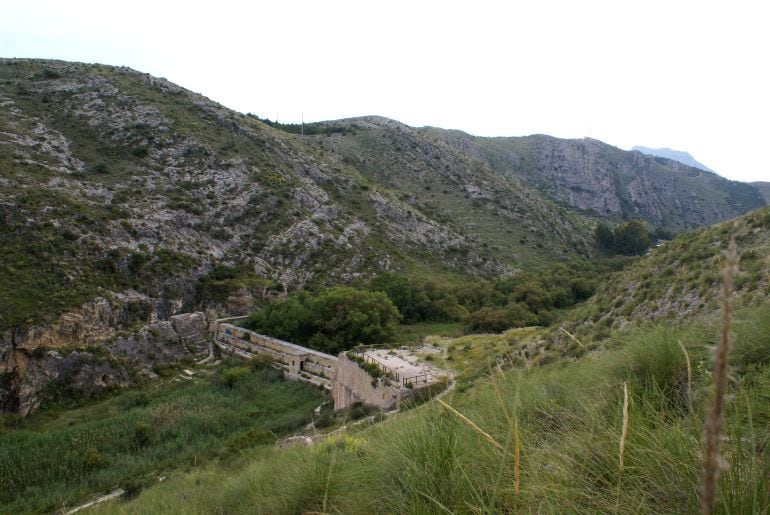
x=715 y=418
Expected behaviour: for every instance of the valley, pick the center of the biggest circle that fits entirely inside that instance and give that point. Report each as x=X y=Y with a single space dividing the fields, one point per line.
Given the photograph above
x=569 y=289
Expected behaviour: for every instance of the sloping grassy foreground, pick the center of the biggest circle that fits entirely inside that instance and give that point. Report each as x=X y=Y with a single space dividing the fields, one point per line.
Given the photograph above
x=569 y=419
x=57 y=459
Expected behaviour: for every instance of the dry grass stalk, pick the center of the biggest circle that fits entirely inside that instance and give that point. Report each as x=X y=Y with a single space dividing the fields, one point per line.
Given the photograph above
x=470 y=424
x=622 y=445
x=624 y=429
x=715 y=419
x=499 y=394
x=689 y=377
x=516 y=456
x=573 y=337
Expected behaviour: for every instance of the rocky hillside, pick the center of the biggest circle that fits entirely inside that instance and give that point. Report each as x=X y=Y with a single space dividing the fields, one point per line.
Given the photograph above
x=122 y=189
x=764 y=189
x=603 y=180
x=116 y=180
x=126 y=200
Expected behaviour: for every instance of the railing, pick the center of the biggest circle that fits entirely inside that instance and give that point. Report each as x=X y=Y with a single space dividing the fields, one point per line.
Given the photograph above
x=413 y=380
x=360 y=352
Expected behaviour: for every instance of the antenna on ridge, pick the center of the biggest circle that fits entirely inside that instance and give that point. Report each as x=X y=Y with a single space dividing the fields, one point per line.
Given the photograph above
x=302 y=133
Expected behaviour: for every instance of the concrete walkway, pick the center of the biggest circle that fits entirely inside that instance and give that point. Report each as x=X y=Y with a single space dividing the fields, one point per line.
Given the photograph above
x=407 y=364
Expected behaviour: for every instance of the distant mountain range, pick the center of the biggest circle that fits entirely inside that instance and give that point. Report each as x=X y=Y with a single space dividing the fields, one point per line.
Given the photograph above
x=674 y=155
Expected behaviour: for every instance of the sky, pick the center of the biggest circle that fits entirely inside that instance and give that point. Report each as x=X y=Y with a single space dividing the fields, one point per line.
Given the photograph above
x=687 y=75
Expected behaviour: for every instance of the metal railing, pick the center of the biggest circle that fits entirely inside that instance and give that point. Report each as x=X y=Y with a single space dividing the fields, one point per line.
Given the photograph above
x=361 y=353
x=413 y=380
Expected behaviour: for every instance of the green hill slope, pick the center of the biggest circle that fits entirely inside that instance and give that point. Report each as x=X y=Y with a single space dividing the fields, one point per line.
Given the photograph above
x=680 y=278
x=550 y=438
x=545 y=440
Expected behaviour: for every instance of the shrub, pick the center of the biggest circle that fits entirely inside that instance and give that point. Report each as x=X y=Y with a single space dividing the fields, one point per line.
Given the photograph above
x=144 y=434
x=230 y=376
x=139 y=152
x=336 y=319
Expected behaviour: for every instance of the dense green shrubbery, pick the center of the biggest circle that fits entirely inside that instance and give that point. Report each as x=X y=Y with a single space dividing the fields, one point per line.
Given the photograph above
x=494 y=306
x=628 y=239
x=342 y=317
x=419 y=300
x=334 y=320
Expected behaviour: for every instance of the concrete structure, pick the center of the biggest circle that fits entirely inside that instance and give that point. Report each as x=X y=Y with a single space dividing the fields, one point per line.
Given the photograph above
x=354 y=384
x=401 y=375
x=300 y=363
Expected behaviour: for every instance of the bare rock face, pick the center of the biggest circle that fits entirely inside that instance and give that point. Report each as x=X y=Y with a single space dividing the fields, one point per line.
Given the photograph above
x=82 y=356
x=80 y=374
x=590 y=175
x=190 y=327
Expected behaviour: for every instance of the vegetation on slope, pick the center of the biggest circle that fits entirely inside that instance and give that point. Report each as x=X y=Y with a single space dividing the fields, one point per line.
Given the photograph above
x=57 y=458
x=681 y=278
x=101 y=163
x=340 y=318
x=556 y=432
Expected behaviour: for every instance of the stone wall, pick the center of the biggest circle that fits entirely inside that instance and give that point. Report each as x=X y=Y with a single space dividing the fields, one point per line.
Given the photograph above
x=354 y=384
x=348 y=382
x=299 y=362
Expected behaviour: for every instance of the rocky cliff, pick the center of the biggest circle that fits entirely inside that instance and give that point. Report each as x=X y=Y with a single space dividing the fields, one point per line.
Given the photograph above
x=105 y=345
x=611 y=183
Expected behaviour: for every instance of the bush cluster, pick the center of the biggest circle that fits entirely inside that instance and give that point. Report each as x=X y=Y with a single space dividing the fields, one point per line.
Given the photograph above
x=333 y=320
x=628 y=239
x=523 y=300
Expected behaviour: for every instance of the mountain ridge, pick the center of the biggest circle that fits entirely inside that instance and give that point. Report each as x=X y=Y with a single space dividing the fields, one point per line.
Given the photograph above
x=675 y=155
x=605 y=181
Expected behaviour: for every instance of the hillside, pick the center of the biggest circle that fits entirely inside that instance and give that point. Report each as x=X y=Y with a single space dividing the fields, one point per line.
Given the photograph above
x=764 y=189
x=133 y=213
x=605 y=181
x=126 y=200
x=562 y=437
x=675 y=155
x=680 y=279
x=110 y=175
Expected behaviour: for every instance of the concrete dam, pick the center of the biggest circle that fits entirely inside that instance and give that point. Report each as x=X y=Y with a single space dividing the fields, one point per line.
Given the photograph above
x=401 y=375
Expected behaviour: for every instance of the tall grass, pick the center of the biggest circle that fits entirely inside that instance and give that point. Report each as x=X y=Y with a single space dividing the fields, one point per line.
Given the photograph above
x=57 y=459
x=565 y=420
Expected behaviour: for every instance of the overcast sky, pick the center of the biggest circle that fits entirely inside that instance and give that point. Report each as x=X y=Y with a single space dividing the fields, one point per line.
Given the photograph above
x=692 y=76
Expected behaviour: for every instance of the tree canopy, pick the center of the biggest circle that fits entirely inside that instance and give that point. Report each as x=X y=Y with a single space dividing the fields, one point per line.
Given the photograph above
x=332 y=321
x=629 y=239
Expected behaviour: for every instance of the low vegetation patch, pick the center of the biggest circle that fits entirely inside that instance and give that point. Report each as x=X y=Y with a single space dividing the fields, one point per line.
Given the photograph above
x=57 y=458
x=546 y=439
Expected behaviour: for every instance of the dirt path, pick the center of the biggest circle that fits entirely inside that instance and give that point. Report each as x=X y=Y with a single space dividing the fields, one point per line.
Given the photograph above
x=104 y=498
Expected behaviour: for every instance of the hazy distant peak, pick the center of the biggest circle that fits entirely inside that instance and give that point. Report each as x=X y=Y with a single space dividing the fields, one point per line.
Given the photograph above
x=676 y=155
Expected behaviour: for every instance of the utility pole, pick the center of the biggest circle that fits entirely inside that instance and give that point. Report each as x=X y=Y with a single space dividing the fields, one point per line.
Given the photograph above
x=303 y=124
